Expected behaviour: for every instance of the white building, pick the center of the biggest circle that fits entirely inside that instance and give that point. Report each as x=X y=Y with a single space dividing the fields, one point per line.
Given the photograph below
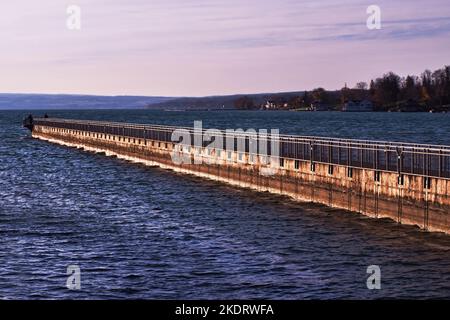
x=270 y=105
x=319 y=106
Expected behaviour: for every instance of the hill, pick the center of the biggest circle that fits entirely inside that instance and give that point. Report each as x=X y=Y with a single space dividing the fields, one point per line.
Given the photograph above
x=70 y=101
x=237 y=101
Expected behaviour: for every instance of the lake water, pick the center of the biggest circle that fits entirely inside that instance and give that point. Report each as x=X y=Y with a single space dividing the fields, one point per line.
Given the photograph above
x=147 y=233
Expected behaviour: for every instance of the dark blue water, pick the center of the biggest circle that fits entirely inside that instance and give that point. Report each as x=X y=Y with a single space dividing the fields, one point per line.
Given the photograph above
x=141 y=232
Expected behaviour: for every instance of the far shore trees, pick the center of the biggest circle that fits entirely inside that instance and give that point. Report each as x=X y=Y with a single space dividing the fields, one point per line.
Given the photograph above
x=429 y=91
x=390 y=92
x=244 y=103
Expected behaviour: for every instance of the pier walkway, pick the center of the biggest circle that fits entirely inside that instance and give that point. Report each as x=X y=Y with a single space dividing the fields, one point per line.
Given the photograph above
x=406 y=182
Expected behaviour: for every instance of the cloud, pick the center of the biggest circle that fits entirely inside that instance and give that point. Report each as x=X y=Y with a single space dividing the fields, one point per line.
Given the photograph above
x=135 y=44
x=409 y=29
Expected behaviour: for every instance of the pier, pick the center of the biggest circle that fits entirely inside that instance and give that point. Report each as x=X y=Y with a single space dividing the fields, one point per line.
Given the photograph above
x=408 y=183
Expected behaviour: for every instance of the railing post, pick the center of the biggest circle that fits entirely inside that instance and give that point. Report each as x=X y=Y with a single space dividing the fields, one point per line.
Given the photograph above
x=424 y=162
x=330 y=153
x=399 y=160
x=376 y=157
x=321 y=151
x=386 y=157
x=349 y=155
x=339 y=153
x=362 y=155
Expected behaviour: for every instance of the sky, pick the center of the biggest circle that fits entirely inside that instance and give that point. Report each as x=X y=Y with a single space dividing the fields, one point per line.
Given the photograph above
x=214 y=47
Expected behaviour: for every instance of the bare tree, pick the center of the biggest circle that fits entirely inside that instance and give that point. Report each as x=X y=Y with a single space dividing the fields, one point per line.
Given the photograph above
x=361 y=85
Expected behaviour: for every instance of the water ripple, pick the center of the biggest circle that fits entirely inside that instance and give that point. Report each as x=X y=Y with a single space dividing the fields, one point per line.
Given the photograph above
x=140 y=232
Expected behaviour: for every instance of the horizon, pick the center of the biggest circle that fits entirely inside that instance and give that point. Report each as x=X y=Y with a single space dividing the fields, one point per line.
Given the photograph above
x=199 y=48
x=212 y=95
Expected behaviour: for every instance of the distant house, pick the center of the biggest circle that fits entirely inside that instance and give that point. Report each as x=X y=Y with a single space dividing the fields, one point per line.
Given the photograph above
x=269 y=105
x=320 y=106
x=358 y=106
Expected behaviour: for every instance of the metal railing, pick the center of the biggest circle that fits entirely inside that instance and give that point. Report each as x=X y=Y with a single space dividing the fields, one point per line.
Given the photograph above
x=404 y=158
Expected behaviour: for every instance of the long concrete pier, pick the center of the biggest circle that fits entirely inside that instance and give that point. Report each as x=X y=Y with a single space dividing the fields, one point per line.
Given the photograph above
x=408 y=183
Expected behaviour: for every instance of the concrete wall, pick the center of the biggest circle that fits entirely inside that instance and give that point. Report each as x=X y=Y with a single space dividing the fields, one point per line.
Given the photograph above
x=407 y=203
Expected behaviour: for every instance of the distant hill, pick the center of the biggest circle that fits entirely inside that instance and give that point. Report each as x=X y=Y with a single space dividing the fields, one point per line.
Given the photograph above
x=69 y=101
x=73 y=101
x=220 y=102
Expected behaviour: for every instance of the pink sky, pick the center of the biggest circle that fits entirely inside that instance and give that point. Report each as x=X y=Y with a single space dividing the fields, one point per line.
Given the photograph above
x=208 y=47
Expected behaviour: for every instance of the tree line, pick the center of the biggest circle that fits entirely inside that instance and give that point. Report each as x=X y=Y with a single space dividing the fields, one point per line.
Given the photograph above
x=429 y=91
